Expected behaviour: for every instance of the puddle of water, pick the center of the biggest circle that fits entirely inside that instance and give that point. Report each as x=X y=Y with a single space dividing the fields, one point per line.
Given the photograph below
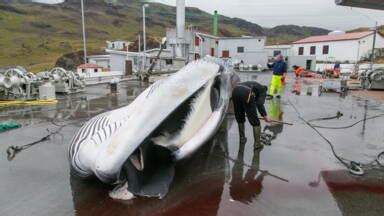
x=38 y=180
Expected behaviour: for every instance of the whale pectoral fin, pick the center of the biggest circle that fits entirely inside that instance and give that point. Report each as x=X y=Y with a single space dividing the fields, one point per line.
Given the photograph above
x=157 y=173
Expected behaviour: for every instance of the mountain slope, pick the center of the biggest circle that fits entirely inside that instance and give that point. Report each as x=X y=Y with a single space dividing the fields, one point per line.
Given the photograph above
x=380 y=28
x=35 y=35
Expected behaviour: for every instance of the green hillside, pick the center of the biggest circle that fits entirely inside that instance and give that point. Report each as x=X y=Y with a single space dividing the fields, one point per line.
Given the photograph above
x=35 y=35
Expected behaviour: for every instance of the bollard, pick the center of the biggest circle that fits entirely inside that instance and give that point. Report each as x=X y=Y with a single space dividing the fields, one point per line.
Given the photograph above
x=309 y=91
x=113 y=85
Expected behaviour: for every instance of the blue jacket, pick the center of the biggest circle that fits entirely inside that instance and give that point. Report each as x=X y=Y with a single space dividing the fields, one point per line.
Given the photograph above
x=279 y=68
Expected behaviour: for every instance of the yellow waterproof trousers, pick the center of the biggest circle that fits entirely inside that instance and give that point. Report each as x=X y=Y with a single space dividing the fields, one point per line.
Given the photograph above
x=276 y=85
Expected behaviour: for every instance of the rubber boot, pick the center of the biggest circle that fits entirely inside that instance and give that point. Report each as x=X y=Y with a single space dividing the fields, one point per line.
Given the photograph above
x=257 y=137
x=243 y=139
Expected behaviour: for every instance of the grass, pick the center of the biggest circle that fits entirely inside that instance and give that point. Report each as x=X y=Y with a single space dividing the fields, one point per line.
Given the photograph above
x=41 y=34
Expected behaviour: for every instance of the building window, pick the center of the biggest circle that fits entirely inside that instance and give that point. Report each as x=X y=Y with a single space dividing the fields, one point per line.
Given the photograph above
x=301 y=50
x=168 y=61
x=225 y=54
x=197 y=41
x=95 y=70
x=276 y=52
x=240 y=49
x=313 y=50
x=326 y=49
x=83 y=70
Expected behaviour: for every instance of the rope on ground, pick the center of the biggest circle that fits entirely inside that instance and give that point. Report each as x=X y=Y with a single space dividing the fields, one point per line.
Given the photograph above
x=354 y=167
x=13 y=150
x=32 y=103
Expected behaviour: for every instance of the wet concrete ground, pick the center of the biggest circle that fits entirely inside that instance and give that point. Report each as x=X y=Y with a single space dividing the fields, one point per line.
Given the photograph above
x=215 y=181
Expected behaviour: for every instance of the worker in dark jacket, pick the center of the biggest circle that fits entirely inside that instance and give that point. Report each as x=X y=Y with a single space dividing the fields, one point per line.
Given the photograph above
x=248 y=97
x=278 y=77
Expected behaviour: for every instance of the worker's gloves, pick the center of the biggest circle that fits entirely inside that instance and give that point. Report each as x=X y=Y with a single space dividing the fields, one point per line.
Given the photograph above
x=267 y=119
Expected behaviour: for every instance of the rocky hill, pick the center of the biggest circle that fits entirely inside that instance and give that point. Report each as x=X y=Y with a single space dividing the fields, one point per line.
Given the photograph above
x=35 y=35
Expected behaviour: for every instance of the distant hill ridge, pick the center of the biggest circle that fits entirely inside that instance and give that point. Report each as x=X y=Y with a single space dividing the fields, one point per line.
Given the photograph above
x=35 y=35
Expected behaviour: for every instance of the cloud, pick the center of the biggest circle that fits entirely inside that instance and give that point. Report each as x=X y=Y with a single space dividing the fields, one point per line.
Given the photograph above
x=319 y=13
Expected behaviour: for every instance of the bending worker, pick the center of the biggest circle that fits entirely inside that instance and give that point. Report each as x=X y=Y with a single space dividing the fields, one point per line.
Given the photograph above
x=298 y=70
x=278 y=77
x=248 y=97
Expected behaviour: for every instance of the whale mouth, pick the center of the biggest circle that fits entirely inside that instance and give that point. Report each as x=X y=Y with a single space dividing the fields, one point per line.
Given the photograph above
x=149 y=170
x=184 y=122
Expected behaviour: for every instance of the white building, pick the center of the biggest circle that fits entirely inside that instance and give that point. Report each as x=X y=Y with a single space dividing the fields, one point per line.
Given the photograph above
x=205 y=44
x=88 y=69
x=283 y=49
x=118 y=45
x=132 y=62
x=101 y=60
x=124 y=62
x=338 y=46
x=249 y=50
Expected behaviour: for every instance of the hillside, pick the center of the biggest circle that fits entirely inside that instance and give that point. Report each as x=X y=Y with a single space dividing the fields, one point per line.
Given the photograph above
x=35 y=35
x=381 y=29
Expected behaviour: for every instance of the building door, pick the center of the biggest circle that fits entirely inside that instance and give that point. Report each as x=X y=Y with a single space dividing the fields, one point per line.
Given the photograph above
x=212 y=51
x=225 y=54
x=308 y=65
x=128 y=67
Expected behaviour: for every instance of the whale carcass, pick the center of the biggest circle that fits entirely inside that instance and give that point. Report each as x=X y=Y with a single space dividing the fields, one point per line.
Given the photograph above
x=138 y=144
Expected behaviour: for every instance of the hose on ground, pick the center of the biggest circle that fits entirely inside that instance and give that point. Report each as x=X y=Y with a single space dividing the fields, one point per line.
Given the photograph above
x=349 y=126
x=32 y=103
x=354 y=167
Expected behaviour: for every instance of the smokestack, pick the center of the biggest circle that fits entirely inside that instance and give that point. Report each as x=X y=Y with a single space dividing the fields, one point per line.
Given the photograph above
x=215 y=23
x=180 y=19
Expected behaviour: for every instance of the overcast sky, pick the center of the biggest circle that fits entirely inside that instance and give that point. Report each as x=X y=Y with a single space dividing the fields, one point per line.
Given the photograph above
x=269 y=13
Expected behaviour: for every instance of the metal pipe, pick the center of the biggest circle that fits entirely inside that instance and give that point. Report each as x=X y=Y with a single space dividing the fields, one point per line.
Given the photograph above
x=373 y=46
x=180 y=29
x=139 y=40
x=180 y=19
x=144 y=37
x=144 y=29
x=84 y=36
x=215 y=23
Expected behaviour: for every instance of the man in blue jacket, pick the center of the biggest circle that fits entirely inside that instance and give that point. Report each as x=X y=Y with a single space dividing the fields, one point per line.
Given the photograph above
x=278 y=77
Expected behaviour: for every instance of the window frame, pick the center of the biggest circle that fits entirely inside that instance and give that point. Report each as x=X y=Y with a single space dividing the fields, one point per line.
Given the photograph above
x=276 y=52
x=301 y=51
x=240 y=49
x=312 y=50
x=325 y=49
